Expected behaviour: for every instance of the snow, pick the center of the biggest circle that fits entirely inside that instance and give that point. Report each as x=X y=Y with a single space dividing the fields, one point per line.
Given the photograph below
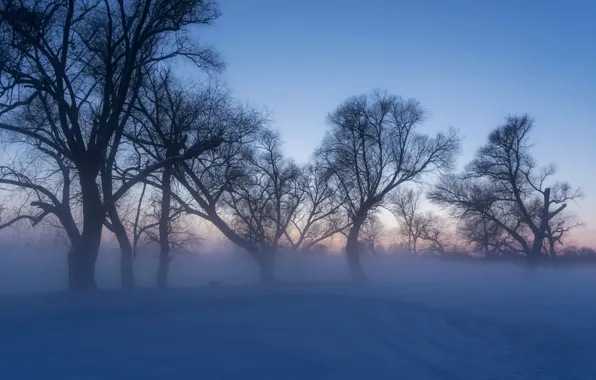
x=419 y=319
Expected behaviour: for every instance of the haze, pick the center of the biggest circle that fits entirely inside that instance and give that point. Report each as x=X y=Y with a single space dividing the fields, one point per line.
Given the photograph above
x=268 y=189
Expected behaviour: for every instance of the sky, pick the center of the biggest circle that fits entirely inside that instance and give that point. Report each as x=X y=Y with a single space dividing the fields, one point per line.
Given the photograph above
x=470 y=64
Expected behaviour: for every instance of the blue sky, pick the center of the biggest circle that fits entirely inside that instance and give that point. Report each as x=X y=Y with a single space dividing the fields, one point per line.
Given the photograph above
x=470 y=64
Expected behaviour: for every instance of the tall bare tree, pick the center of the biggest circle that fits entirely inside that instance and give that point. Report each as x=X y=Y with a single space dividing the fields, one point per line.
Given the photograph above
x=170 y=117
x=372 y=147
x=83 y=63
x=211 y=179
x=264 y=204
x=503 y=185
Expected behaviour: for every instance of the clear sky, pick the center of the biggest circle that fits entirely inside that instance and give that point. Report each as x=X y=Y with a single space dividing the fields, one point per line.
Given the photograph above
x=469 y=62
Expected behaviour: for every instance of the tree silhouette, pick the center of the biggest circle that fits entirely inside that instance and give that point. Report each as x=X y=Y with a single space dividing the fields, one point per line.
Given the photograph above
x=83 y=63
x=503 y=185
x=557 y=227
x=434 y=232
x=483 y=235
x=371 y=148
x=170 y=120
x=264 y=204
x=403 y=204
x=211 y=181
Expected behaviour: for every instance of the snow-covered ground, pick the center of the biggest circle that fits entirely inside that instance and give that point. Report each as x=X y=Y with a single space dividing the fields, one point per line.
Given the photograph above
x=418 y=320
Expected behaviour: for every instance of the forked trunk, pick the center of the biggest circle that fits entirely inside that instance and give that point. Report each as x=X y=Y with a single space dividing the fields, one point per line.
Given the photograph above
x=535 y=255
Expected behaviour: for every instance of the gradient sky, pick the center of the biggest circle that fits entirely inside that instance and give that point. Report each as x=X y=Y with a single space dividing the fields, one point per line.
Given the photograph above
x=470 y=63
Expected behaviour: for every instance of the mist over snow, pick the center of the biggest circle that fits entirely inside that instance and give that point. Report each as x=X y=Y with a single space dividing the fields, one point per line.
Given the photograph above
x=420 y=318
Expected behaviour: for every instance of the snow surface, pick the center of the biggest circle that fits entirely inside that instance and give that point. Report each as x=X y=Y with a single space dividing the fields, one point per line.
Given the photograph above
x=420 y=319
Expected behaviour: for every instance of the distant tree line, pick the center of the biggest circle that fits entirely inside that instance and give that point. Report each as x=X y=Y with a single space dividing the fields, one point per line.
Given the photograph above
x=100 y=136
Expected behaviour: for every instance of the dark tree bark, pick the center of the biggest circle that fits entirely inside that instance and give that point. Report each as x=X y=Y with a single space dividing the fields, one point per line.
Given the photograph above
x=83 y=253
x=352 y=250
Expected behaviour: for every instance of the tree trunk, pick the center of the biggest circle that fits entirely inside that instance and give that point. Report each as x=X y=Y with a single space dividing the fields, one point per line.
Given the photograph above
x=127 y=277
x=266 y=262
x=81 y=267
x=539 y=232
x=352 y=252
x=536 y=252
x=84 y=251
x=164 y=227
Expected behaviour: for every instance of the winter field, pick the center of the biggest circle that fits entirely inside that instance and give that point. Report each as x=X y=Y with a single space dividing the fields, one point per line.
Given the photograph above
x=419 y=319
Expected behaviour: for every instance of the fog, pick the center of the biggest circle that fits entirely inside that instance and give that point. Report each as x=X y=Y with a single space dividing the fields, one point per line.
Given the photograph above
x=422 y=318
x=502 y=288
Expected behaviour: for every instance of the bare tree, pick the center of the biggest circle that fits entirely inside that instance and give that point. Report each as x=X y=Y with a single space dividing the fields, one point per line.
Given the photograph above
x=403 y=204
x=434 y=232
x=483 y=235
x=83 y=62
x=372 y=147
x=416 y=226
x=557 y=227
x=319 y=215
x=168 y=119
x=209 y=180
x=503 y=185
x=264 y=204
